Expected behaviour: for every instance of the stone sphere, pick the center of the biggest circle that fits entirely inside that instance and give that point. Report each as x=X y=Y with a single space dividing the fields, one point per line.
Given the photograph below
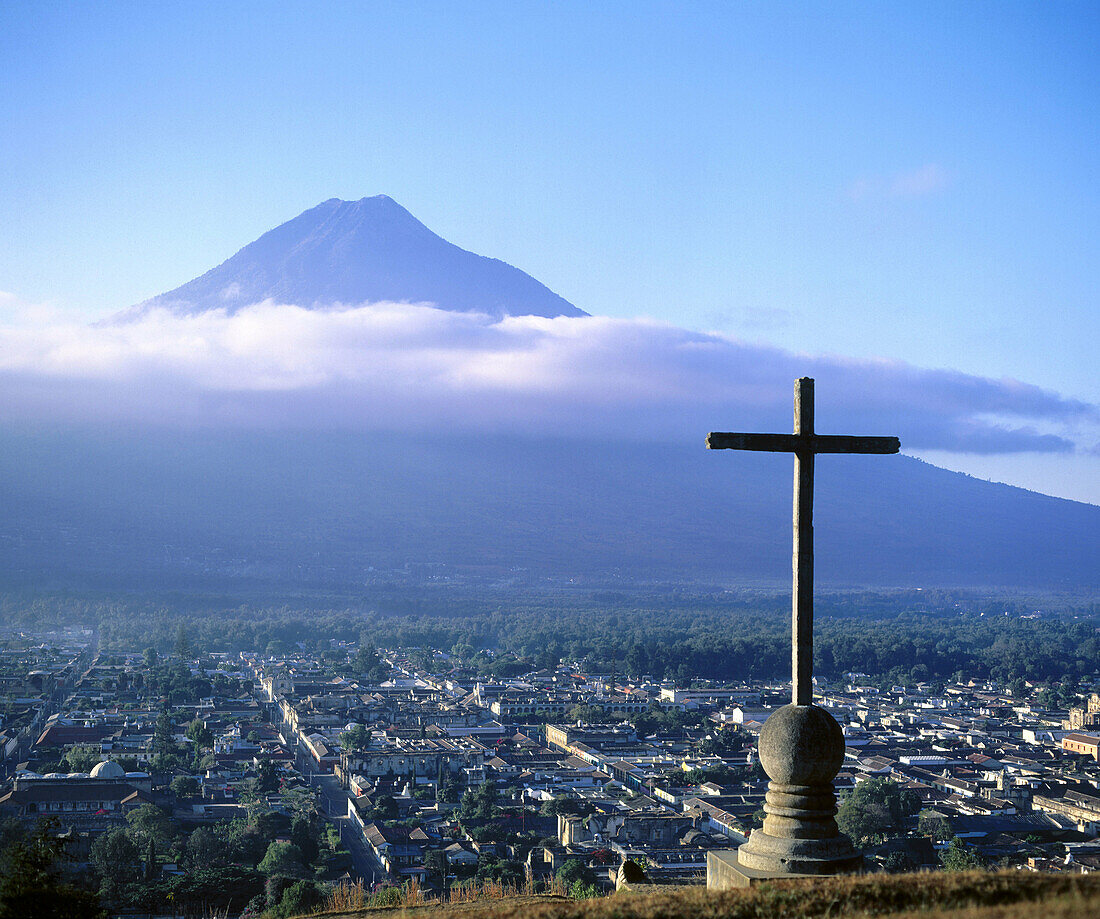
x=801 y=745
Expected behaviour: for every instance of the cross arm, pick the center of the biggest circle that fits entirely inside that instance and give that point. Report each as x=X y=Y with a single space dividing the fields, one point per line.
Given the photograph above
x=794 y=443
x=768 y=443
x=845 y=443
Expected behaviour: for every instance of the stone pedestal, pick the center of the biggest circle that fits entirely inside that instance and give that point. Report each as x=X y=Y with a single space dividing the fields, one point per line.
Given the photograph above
x=801 y=750
x=724 y=872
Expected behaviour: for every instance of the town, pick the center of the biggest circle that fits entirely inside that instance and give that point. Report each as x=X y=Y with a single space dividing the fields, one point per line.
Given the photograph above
x=253 y=776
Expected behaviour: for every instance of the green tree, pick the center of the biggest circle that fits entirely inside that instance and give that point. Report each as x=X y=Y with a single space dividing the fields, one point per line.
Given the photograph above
x=368 y=664
x=385 y=808
x=213 y=891
x=302 y=803
x=935 y=825
x=574 y=871
x=246 y=844
x=164 y=741
x=152 y=868
x=31 y=884
x=355 y=738
x=298 y=899
x=272 y=823
x=582 y=891
x=958 y=856
x=267 y=776
x=898 y=863
x=480 y=803
x=570 y=807
x=183 y=643
x=149 y=822
x=284 y=859
x=436 y=862
x=304 y=836
x=865 y=823
x=185 y=786
x=722 y=742
x=589 y=714
x=206 y=849
x=11 y=831
x=116 y=858
x=491 y=868
x=82 y=757
x=874 y=809
x=199 y=734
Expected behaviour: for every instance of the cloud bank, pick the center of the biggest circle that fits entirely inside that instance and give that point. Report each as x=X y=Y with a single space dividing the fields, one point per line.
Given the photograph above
x=400 y=366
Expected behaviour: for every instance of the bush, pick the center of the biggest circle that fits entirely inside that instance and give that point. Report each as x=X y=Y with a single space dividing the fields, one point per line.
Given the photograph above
x=582 y=891
x=116 y=857
x=874 y=809
x=958 y=856
x=389 y=896
x=184 y=786
x=300 y=897
x=274 y=888
x=283 y=859
x=574 y=872
x=30 y=885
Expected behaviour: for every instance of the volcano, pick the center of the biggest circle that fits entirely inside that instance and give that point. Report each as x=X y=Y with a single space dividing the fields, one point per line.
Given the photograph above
x=354 y=252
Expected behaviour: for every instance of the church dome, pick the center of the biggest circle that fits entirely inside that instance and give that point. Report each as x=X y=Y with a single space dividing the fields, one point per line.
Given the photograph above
x=108 y=769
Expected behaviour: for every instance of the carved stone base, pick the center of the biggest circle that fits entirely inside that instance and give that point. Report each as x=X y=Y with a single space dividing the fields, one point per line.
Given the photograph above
x=724 y=872
x=801 y=750
x=783 y=856
x=800 y=834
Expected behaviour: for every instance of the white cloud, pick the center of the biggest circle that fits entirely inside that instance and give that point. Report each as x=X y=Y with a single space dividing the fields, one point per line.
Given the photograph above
x=915 y=183
x=923 y=181
x=400 y=366
x=17 y=312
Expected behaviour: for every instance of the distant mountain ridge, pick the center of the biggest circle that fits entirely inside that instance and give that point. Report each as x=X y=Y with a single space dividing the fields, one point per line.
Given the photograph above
x=351 y=252
x=232 y=511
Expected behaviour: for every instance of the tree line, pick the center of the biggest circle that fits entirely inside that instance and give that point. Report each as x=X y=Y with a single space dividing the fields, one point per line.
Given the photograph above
x=903 y=637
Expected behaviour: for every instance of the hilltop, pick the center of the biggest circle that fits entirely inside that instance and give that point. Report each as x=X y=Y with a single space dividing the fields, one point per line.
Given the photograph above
x=946 y=895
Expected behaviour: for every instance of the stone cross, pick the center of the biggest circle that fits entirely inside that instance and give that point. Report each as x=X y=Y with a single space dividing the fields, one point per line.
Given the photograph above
x=804 y=443
x=801 y=745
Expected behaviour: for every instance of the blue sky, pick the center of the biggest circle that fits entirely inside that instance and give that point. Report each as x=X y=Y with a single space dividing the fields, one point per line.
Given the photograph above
x=914 y=182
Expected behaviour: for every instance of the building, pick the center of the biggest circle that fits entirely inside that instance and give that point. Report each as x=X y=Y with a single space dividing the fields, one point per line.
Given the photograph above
x=1087 y=744
x=1087 y=717
x=86 y=802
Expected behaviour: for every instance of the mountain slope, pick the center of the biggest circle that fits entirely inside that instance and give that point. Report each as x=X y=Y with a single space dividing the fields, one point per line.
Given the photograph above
x=270 y=512
x=357 y=252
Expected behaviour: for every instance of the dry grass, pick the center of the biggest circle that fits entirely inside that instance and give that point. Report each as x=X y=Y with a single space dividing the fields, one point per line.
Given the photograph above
x=346 y=898
x=975 y=895
x=353 y=899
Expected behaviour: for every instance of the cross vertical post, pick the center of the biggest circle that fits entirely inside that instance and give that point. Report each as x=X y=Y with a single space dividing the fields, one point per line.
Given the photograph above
x=802 y=560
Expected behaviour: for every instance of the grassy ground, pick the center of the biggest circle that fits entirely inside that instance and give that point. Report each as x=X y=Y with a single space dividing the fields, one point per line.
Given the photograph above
x=945 y=895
